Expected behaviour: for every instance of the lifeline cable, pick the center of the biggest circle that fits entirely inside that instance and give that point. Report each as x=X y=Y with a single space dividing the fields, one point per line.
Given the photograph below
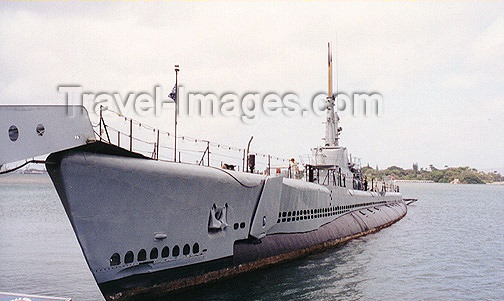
x=22 y=165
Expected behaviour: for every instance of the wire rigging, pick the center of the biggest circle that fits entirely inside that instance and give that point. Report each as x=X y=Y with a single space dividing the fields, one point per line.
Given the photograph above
x=159 y=132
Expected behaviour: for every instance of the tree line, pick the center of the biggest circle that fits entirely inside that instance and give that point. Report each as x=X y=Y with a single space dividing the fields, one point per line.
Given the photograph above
x=465 y=175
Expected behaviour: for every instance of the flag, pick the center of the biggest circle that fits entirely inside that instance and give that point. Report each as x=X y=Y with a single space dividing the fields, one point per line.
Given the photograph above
x=173 y=94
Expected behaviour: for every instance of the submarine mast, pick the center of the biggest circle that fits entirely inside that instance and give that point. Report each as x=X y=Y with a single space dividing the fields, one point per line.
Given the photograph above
x=332 y=119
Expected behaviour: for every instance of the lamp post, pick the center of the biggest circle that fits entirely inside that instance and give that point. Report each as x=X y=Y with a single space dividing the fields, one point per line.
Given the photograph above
x=176 y=111
x=248 y=148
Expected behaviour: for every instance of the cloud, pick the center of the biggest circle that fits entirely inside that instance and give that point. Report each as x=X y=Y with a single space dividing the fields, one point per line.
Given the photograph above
x=438 y=65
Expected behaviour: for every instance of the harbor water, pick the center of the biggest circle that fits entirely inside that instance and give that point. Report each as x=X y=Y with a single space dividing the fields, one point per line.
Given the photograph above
x=450 y=246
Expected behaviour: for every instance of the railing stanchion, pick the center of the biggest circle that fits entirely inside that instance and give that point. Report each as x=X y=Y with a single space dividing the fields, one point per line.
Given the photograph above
x=208 y=153
x=131 y=135
x=269 y=165
x=101 y=118
x=243 y=167
x=106 y=132
x=157 y=146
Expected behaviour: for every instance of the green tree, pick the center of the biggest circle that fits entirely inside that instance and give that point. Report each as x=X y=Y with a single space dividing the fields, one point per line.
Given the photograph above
x=472 y=179
x=415 y=168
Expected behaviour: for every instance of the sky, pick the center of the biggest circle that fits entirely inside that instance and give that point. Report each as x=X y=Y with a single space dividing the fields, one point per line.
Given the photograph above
x=438 y=65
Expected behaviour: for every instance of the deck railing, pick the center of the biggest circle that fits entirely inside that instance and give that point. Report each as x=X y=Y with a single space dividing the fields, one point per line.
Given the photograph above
x=157 y=144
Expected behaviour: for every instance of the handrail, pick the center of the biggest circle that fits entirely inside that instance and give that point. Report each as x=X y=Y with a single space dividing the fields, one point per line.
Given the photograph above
x=152 y=148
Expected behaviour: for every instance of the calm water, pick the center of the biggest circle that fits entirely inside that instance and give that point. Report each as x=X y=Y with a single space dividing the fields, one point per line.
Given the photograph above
x=450 y=246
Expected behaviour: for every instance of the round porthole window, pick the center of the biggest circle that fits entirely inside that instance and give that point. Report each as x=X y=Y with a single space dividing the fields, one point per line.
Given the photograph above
x=13 y=133
x=40 y=130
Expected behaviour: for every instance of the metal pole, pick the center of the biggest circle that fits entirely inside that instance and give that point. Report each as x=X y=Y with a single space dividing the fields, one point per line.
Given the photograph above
x=101 y=117
x=106 y=132
x=176 y=111
x=243 y=161
x=157 y=146
x=248 y=148
x=208 y=152
x=131 y=135
x=269 y=165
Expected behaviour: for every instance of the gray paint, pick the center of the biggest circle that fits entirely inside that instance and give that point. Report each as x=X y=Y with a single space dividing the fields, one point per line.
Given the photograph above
x=64 y=127
x=117 y=204
x=268 y=207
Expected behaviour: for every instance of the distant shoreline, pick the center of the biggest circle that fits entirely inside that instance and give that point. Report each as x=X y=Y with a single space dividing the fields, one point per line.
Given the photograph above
x=19 y=178
x=429 y=181
x=414 y=181
x=454 y=175
x=496 y=183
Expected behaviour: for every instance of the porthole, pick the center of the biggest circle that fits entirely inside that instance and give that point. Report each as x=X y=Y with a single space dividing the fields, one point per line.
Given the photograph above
x=40 y=130
x=115 y=259
x=154 y=253
x=176 y=251
x=165 y=252
x=195 y=248
x=242 y=225
x=235 y=226
x=128 y=258
x=186 y=249
x=142 y=255
x=13 y=133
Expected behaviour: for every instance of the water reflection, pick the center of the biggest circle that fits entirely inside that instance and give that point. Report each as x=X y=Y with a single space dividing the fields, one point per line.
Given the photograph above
x=330 y=275
x=448 y=247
